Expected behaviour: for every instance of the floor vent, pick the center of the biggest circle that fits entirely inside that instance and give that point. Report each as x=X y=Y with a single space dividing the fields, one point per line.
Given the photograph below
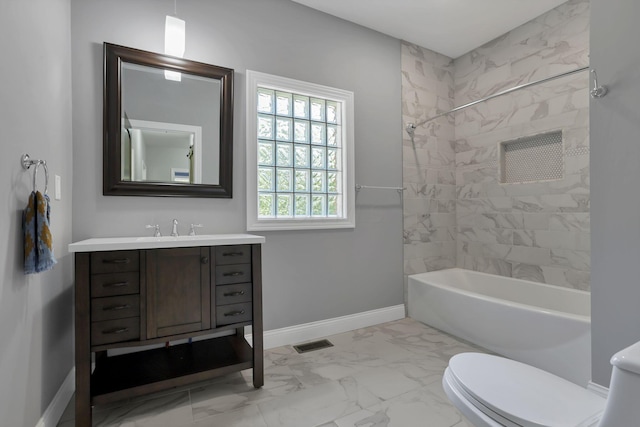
x=311 y=346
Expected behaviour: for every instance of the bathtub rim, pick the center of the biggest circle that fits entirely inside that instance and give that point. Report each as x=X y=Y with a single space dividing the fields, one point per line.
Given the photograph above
x=535 y=308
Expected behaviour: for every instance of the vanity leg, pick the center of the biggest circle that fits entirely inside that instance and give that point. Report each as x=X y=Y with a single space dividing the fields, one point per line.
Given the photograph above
x=83 y=403
x=82 y=344
x=258 y=361
x=258 y=353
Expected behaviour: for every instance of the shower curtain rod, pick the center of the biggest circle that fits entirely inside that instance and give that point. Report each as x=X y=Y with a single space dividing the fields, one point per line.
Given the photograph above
x=411 y=126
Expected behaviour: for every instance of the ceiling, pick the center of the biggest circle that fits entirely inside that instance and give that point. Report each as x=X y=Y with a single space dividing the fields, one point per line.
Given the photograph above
x=450 y=27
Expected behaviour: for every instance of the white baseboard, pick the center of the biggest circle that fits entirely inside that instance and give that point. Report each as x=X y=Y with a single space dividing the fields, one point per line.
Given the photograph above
x=598 y=389
x=56 y=408
x=313 y=330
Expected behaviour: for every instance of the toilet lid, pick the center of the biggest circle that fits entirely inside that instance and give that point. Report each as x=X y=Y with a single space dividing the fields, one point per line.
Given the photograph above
x=525 y=395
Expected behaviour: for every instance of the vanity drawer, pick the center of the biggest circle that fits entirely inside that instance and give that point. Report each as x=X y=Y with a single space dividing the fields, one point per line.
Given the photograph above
x=237 y=254
x=115 y=307
x=114 y=262
x=106 y=285
x=233 y=294
x=110 y=331
x=235 y=273
x=233 y=313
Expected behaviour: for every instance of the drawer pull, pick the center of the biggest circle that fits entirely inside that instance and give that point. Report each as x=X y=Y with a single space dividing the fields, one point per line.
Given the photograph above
x=116 y=307
x=115 y=331
x=234 y=274
x=117 y=261
x=115 y=285
x=233 y=254
x=233 y=294
x=234 y=313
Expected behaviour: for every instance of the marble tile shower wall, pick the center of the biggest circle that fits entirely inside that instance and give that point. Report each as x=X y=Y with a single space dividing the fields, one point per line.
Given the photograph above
x=456 y=212
x=538 y=230
x=429 y=164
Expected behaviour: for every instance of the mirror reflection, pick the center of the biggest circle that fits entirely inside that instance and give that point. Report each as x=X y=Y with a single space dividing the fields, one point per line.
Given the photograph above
x=164 y=152
x=165 y=118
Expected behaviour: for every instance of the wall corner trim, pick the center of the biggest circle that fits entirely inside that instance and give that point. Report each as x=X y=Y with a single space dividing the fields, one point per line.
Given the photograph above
x=322 y=328
x=598 y=389
x=54 y=411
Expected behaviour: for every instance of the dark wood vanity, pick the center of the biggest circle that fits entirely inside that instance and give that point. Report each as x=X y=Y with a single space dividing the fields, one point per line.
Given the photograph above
x=165 y=290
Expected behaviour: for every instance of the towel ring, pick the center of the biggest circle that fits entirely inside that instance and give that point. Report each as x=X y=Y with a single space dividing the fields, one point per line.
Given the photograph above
x=27 y=163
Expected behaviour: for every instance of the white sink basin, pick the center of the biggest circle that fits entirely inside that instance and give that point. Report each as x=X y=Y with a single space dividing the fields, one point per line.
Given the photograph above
x=149 y=242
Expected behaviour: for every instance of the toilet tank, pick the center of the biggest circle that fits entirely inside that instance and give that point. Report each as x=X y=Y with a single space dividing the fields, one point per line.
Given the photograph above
x=622 y=407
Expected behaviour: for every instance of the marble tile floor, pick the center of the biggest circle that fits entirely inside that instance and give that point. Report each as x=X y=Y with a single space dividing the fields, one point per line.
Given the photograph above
x=381 y=376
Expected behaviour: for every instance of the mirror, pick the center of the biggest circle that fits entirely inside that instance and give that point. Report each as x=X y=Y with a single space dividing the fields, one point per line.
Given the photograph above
x=168 y=128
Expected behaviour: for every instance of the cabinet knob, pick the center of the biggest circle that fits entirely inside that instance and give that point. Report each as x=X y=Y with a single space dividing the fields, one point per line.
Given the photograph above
x=204 y=259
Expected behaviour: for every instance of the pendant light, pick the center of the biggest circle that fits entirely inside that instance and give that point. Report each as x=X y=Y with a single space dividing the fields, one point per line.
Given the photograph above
x=174 y=40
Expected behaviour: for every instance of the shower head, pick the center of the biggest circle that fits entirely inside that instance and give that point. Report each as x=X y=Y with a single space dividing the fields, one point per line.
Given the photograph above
x=410 y=128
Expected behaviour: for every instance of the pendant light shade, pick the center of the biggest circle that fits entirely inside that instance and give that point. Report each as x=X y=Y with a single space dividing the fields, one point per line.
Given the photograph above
x=174 y=36
x=174 y=41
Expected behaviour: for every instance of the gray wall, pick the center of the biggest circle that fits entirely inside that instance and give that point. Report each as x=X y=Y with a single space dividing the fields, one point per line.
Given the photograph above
x=615 y=168
x=308 y=275
x=160 y=160
x=35 y=117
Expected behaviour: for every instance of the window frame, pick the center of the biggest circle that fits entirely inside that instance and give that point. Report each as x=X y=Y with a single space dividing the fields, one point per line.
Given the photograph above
x=257 y=79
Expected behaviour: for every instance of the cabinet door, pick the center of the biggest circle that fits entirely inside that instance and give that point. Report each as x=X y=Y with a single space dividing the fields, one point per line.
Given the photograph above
x=178 y=291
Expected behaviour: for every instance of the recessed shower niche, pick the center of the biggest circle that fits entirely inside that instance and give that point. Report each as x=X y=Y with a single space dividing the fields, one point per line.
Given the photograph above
x=532 y=158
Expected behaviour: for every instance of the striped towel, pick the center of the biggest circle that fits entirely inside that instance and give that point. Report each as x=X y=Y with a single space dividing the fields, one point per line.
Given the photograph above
x=38 y=243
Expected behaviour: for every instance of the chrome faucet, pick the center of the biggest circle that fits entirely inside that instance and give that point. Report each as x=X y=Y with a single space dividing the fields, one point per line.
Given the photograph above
x=174 y=230
x=192 y=230
x=156 y=230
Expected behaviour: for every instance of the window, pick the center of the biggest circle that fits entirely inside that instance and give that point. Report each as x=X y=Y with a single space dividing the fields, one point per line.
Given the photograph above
x=299 y=155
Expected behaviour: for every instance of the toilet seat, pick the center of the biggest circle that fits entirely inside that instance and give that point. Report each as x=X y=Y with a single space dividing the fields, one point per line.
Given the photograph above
x=515 y=394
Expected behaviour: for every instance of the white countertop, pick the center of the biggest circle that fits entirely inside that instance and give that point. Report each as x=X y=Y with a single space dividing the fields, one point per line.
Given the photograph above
x=124 y=243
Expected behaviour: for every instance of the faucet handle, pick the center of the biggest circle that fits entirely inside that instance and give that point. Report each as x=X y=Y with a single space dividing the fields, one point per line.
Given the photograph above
x=192 y=230
x=156 y=228
x=174 y=228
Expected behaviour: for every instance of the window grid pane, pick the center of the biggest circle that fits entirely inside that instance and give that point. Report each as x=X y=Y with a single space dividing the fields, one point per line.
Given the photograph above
x=285 y=205
x=283 y=104
x=284 y=129
x=301 y=136
x=285 y=180
x=318 y=132
x=266 y=205
x=265 y=153
x=302 y=181
x=284 y=155
x=265 y=101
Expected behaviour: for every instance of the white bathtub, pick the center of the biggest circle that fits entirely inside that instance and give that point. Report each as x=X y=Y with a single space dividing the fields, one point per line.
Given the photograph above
x=545 y=326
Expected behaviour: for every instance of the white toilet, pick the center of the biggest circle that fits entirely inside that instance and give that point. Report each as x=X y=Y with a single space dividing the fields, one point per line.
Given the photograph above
x=492 y=391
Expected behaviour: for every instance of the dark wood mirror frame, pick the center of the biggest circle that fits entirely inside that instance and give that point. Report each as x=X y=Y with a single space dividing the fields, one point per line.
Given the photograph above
x=113 y=185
